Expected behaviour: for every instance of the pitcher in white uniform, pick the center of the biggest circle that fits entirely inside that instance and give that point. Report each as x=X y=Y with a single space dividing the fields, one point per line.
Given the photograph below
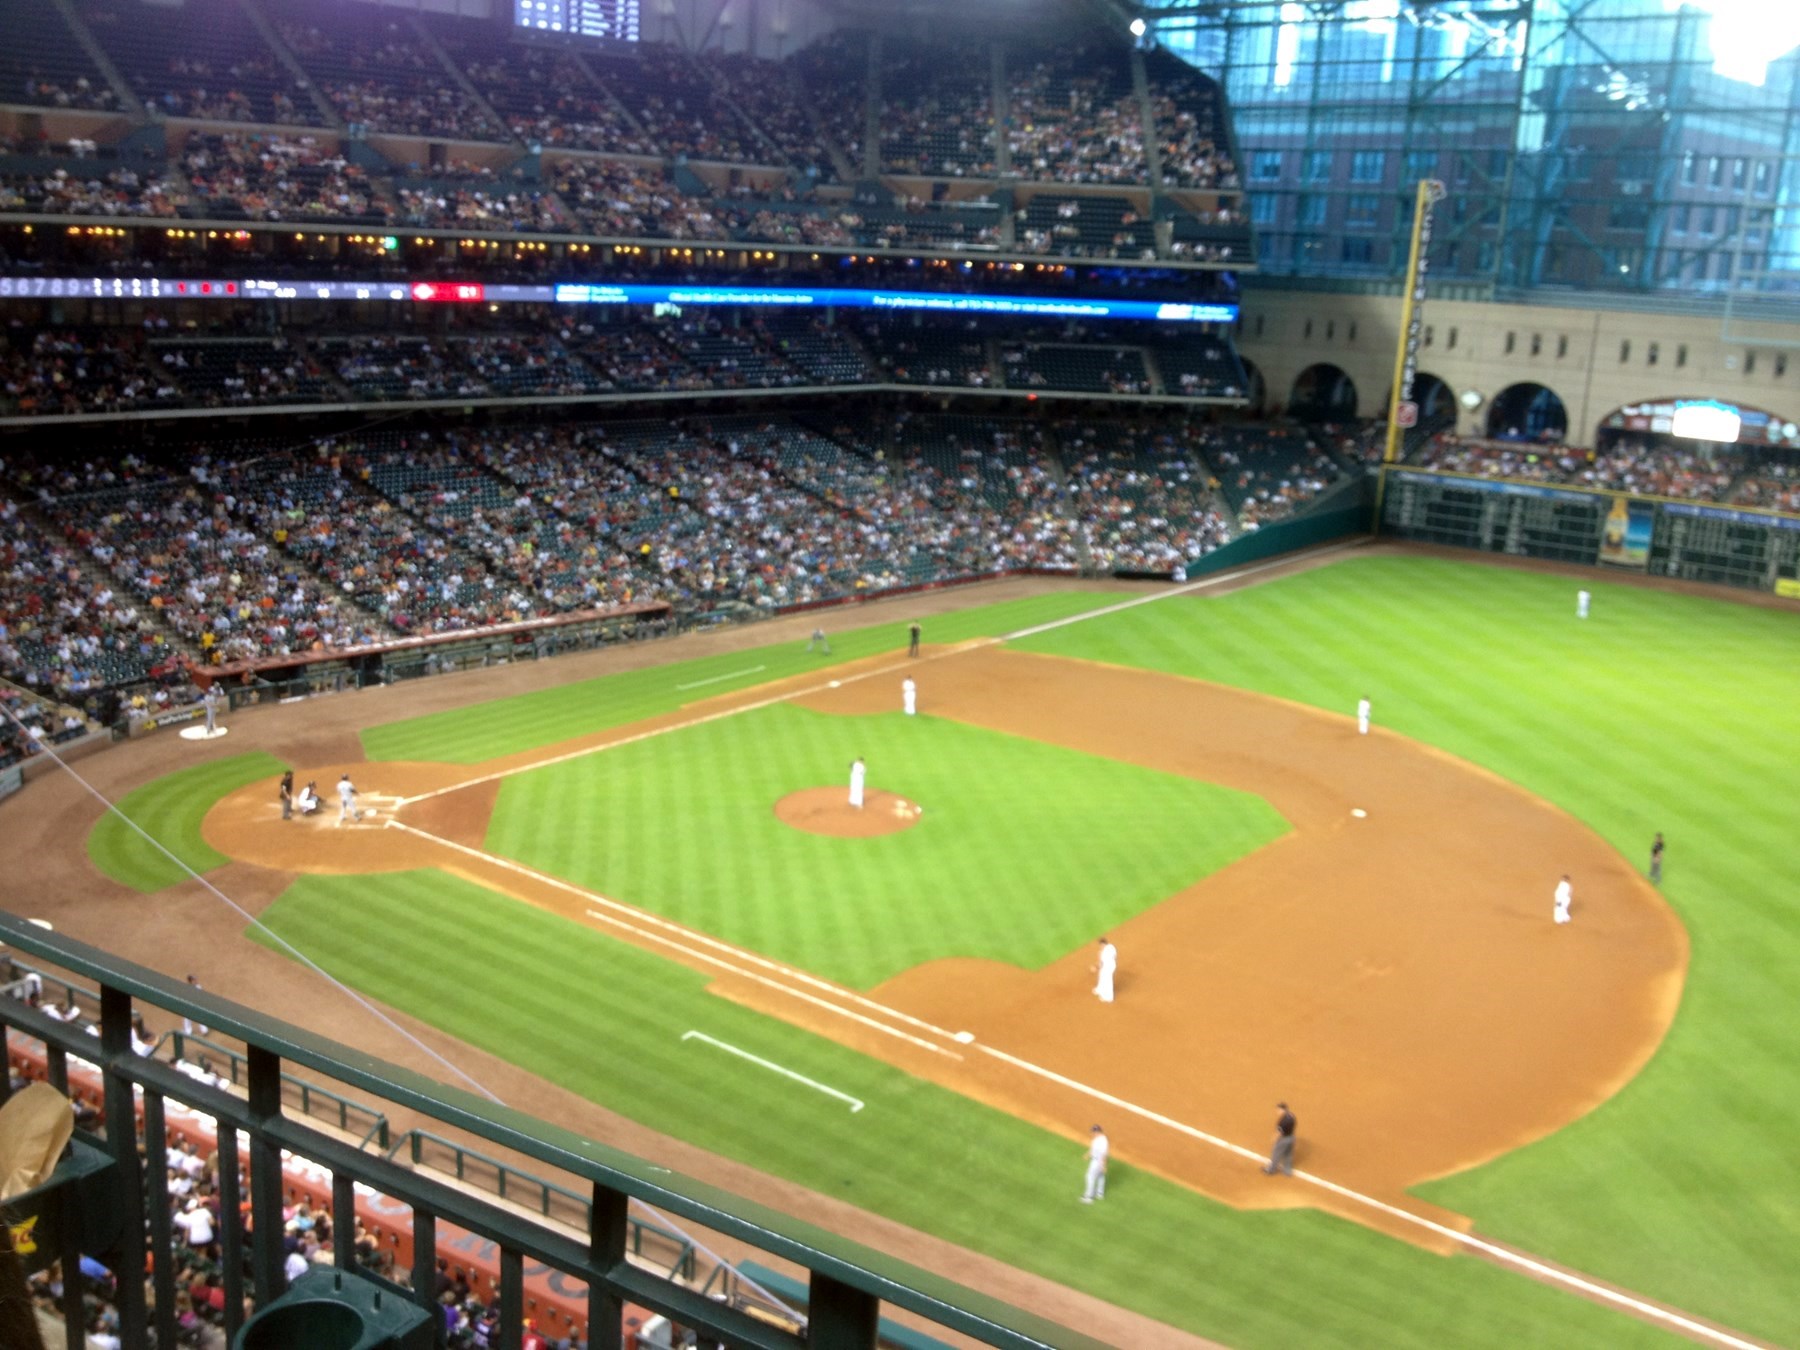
x=857 y=773
x=909 y=697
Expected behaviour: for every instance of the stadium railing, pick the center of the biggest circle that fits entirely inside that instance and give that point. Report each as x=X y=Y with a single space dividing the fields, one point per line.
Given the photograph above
x=847 y=1282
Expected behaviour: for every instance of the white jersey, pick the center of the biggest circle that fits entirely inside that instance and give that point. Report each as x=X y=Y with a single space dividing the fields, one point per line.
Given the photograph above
x=345 y=791
x=1564 y=893
x=1097 y=1149
x=1109 y=958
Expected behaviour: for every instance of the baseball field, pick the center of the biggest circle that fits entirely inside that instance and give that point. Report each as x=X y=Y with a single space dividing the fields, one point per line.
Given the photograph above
x=649 y=888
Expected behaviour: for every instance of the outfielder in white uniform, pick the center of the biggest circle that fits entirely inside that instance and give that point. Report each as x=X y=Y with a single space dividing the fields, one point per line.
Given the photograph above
x=1564 y=894
x=1363 y=709
x=347 y=800
x=857 y=773
x=1581 y=604
x=1096 y=1168
x=1109 y=962
x=909 y=696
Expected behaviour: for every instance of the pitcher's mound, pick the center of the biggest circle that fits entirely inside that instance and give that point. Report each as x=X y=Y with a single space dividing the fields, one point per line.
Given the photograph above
x=827 y=810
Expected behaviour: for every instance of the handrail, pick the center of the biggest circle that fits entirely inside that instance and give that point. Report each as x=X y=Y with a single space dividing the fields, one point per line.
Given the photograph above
x=684 y=1264
x=849 y=1280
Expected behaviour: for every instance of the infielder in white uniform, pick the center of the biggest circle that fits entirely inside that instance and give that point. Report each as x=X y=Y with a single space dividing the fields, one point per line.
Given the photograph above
x=347 y=800
x=1363 y=709
x=1564 y=894
x=1109 y=962
x=1096 y=1168
x=1581 y=604
x=909 y=696
x=857 y=773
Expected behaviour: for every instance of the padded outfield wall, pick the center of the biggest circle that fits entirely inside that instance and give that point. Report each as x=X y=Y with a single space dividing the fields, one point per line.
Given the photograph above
x=1616 y=531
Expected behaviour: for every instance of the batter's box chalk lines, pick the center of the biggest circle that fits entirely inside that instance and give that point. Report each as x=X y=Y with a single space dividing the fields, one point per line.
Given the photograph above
x=691 y=722
x=720 y=679
x=1502 y=1255
x=855 y=1104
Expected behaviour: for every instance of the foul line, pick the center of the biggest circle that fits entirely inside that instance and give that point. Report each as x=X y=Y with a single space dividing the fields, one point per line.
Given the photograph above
x=1491 y=1250
x=692 y=722
x=719 y=679
x=855 y=1103
x=973 y=644
x=648 y=935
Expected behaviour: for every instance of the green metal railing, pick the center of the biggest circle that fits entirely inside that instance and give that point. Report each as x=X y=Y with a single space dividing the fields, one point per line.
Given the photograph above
x=350 y=1116
x=847 y=1282
x=546 y=1197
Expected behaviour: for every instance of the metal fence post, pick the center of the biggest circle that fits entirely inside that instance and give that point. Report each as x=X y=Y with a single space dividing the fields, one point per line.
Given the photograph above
x=121 y=1139
x=266 y=1259
x=839 y=1317
x=609 y=1226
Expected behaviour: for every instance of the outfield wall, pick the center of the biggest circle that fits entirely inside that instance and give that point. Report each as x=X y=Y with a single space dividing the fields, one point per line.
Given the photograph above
x=1615 y=531
x=1345 y=510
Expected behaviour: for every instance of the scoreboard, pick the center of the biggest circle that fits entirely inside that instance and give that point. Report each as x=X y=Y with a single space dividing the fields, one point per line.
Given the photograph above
x=616 y=19
x=1694 y=541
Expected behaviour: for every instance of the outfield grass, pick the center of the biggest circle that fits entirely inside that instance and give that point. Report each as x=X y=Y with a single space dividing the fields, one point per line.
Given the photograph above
x=170 y=810
x=1025 y=852
x=531 y=721
x=605 y=1019
x=1661 y=712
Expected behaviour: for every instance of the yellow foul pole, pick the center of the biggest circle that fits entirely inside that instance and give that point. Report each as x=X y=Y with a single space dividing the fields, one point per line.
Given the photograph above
x=1402 y=412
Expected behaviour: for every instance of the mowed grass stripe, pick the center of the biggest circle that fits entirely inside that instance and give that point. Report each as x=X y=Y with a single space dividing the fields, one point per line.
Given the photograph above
x=170 y=811
x=1661 y=711
x=549 y=716
x=1025 y=851
x=605 y=1019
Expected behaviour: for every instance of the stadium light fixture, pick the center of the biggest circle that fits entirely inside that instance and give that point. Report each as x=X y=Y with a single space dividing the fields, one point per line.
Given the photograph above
x=1138 y=28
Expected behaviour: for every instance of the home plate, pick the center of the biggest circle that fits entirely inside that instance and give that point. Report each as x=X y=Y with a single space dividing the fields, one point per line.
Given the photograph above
x=1358 y=812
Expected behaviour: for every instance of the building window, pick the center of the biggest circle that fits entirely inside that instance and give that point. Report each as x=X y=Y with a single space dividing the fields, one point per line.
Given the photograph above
x=1429 y=336
x=1780 y=364
x=1368 y=166
x=1762 y=177
x=1262 y=208
x=1363 y=208
x=1652 y=354
x=1420 y=164
x=1308 y=333
x=1562 y=345
x=1625 y=351
x=1265 y=167
x=1512 y=340
x=1679 y=218
x=1359 y=250
x=1350 y=332
x=1484 y=256
x=1450 y=342
x=1681 y=354
x=1317 y=166
x=1537 y=343
x=1312 y=209
x=1740 y=168
x=1330 y=330
x=1689 y=167
x=1749 y=363
x=1629 y=215
x=1715 y=171
x=1709 y=220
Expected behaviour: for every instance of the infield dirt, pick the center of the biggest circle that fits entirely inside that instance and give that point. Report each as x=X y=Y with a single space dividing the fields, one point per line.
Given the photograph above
x=1396 y=976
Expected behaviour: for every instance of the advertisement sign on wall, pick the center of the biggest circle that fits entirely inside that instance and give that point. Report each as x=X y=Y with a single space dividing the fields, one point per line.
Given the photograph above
x=1625 y=537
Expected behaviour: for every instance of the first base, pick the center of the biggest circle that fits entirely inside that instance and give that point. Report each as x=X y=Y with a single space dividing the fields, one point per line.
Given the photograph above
x=834 y=684
x=1358 y=812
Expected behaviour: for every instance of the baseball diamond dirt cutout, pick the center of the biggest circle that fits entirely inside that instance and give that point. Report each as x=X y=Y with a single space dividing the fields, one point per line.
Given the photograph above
x=1397 y=977
x=827 y=810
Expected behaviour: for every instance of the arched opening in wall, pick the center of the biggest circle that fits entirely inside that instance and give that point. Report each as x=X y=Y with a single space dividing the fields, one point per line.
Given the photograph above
x=1436 y=402
x=1255 y=391
x=1527 y=412
x=1322 y=393
x=1711 y=436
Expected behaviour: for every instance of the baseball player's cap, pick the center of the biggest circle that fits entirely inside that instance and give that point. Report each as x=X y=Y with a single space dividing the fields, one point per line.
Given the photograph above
x=1096 y=1130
